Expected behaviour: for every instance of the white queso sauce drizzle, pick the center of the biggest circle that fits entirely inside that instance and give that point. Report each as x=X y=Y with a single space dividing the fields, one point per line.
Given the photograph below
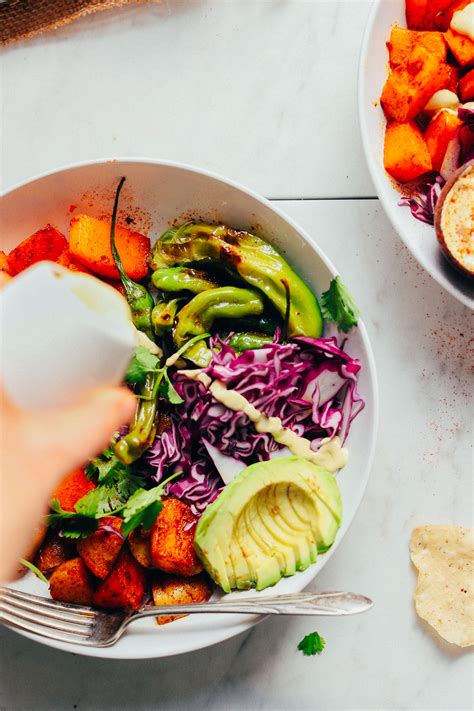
x=330 y=455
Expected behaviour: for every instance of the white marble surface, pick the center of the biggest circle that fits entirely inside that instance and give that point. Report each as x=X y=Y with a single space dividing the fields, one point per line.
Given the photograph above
x=67 y=96
x=262 y=90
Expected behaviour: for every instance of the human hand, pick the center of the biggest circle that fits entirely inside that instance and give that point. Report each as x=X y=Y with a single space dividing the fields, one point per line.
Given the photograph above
x=37 y=449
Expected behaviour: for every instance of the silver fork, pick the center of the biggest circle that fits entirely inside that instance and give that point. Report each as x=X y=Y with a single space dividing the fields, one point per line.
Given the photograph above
x=78 y=624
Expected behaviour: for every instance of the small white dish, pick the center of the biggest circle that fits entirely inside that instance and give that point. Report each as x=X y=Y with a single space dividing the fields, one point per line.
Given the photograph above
x=419 y=237
x=156 y=194
x=63 y=333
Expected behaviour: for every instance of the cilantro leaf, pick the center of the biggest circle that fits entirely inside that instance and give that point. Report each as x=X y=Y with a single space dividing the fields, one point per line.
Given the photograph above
x=144 y=506
x=142 y=363
x=72 y=524
x=101 y=501
x=312 y=644
x=28 y=564
x=168 y=391
x=338 y=306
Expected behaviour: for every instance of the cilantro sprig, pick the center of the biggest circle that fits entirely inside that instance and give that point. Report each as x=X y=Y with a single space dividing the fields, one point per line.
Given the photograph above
x=116 y=482
x=73 y=524
x=144 y=362
x=143 y=507
x=312 y=644
x=338 y=306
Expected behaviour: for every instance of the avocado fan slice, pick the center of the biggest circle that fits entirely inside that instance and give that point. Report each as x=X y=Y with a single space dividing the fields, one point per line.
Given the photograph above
x=269 y=522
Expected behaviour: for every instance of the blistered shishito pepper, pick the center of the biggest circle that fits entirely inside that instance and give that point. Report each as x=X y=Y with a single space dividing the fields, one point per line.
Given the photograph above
x=240 y=342
x=143 y=429
x=253 y=259
x=198 y=315
x=138 y=297
x=183 y=279
x=163 y=316
x=263 y=325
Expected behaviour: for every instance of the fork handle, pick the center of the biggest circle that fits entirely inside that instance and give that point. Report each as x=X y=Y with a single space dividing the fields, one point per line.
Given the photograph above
x=323 y=604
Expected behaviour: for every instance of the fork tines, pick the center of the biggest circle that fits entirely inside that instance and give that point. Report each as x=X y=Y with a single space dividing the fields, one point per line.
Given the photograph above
x=61 y=621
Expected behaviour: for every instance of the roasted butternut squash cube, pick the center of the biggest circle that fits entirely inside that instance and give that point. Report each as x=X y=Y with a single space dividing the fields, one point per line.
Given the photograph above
x=3 y=261
x=100 y=550
x=47 y=243
x=448 y=78
x=402 y=42
x=461 y=46
x=178 y=590
x=71 y=582
x=124 y=586
x=441 y=129
x=466 y=87
x=172 y=539
x=431 y=14
x=139 y=544
x=409 y=87
x=89 y=243
x=54 y=551
x=72 y=488
x=406 y=155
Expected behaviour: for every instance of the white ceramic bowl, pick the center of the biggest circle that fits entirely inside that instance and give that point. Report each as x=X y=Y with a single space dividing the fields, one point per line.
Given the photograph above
x=419 y=237
x=155 y=194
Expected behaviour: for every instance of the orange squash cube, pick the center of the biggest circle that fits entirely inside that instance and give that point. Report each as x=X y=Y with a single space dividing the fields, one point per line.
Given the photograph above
x=54 y=551
x=409 y=87
x=466 y=87
x=461 y=46
x=89 y=243
x=71 y=582
x=72 y=488
x=178 y=590
x=441 y=129
x=422 y=14
x=3 y=262
x=100 y=550
x=47 y=244
x=124 y=586
x=406 y=155
x=172 y=539
x=432 y=14
x=139 y=544
x=402 y=42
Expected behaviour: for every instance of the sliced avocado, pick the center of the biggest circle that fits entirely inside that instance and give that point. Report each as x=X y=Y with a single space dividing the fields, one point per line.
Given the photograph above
x=329 y=505
x=291 y=535
x=271 y=520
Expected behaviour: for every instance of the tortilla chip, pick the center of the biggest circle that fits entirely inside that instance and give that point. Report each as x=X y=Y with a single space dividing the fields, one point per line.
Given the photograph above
x=444 y=595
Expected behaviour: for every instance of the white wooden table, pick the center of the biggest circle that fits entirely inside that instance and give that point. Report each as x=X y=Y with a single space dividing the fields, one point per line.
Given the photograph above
x=264 y=91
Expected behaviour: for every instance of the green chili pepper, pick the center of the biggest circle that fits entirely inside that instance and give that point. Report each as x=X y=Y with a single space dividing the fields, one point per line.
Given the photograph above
x=253 y=259
x=143 y=429
x=138 y=297
x=240 y=342
x=163 y=316
x=198 y=315
x=253 y=324
x=183 y=279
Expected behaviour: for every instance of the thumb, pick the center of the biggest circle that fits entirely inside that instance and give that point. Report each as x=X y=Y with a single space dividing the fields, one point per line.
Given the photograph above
x=79 y=432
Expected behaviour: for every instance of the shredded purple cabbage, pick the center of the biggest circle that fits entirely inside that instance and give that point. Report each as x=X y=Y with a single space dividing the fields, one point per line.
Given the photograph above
x=459 y=152
x=422 y=205
x=311 y=384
